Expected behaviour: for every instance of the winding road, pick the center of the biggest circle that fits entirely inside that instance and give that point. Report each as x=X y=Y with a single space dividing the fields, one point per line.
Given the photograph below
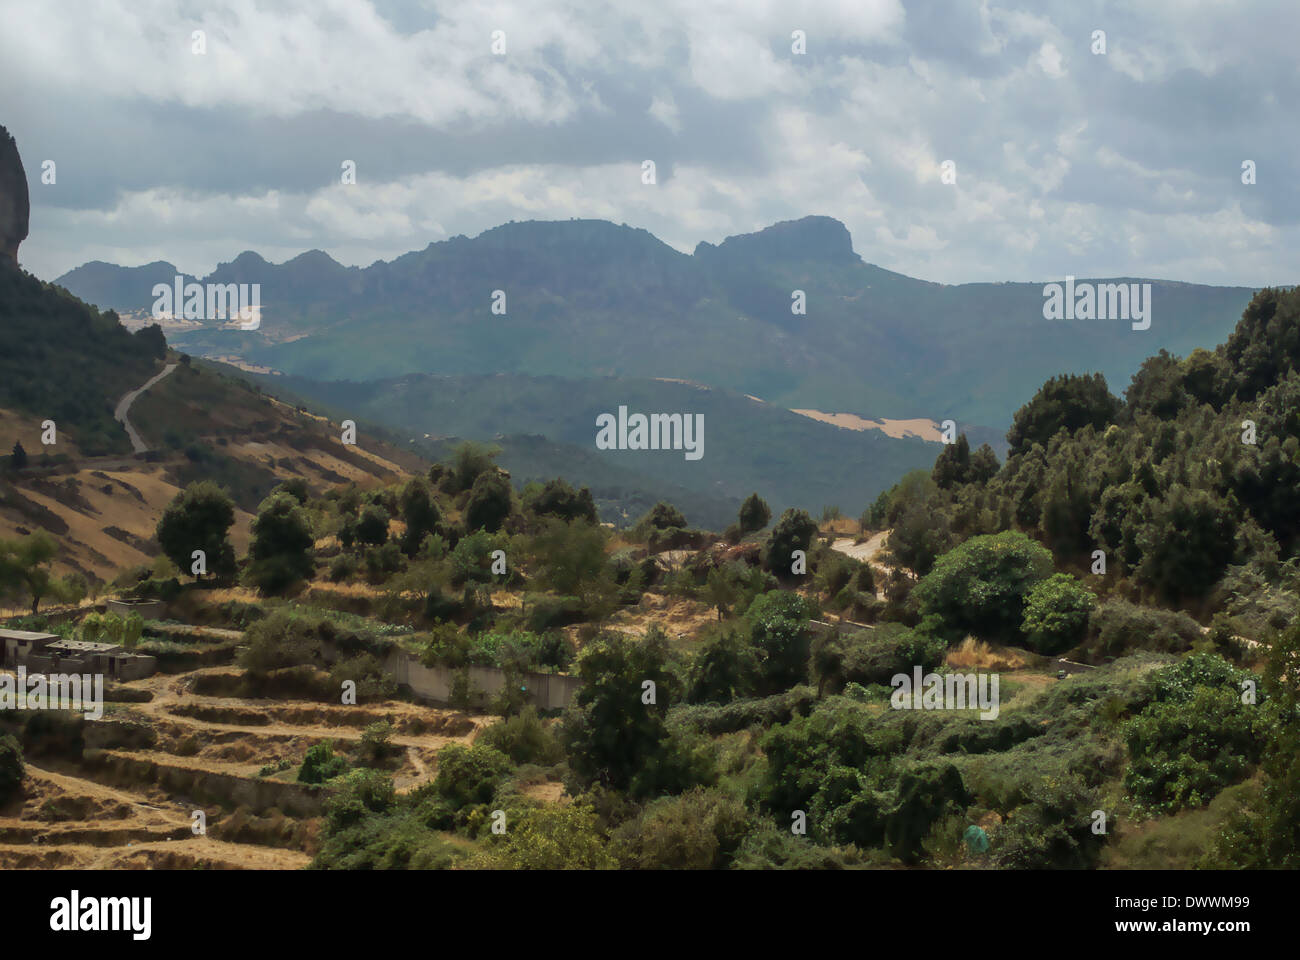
x=123 y=405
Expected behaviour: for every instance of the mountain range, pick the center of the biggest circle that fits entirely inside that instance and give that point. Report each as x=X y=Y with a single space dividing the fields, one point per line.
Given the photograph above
x=588 y=298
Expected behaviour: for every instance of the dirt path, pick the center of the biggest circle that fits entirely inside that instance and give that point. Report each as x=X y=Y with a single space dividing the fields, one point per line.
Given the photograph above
x=124 y=405
x=865 y=551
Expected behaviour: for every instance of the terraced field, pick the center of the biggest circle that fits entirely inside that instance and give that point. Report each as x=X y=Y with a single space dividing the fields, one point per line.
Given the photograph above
x=126 y=797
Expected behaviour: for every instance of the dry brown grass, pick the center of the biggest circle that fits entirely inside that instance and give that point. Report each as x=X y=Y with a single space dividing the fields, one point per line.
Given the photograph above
x=977 y=654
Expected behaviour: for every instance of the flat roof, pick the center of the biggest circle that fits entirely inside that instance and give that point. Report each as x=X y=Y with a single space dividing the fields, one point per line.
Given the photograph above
x=26 y=635
x=86 y=646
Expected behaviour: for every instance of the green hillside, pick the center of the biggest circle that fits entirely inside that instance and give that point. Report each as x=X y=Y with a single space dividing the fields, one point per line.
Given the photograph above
x=749 y=445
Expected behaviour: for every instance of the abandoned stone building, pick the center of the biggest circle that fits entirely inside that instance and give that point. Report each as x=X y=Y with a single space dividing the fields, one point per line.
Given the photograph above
x=49 y=653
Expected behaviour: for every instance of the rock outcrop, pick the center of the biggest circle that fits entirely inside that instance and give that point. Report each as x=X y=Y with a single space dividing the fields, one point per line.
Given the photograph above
x=15 y=207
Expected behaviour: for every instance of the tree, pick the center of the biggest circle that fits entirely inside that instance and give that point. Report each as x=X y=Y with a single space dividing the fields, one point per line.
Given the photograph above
x=722 y=590
x=779 y=630
x=558 y=499
x=280 y=552
x=469 y=775
x=1067 y=402
x=983 y=464
x=725 y=669
x=980 y=586
x=18 y=459
x=794 y=531
x=953 y=466
x=663 y=516
x=469 y=462
x=1056 y=613
x=571 y=560
x=611 y=735
x=1187 y=542
x=489 y=502
x=372 y=527
x=1281 y=795
x=24 y=568
x=420 y=514
x=754 y=514
x=199 y=518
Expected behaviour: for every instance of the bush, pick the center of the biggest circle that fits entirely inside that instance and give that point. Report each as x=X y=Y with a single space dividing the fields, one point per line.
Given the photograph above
x=12 y=770
x=1056 y=613
x=469 y=775
x=700 y=830
x=566 y=837
x=376 y=743
x=1053 y=831
x=779 y=630
x=1118 y=627
x=872 y=657
x=524 y=739
x=794 y=531
x=981 y=586
x=372 y=683
x=321 y=764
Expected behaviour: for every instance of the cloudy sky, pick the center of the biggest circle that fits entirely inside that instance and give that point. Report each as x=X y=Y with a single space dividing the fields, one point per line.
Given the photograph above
x=1067 y=161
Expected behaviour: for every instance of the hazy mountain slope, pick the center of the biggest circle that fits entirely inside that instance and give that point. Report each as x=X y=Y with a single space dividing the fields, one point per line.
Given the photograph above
x=588 y=298
x=748 y=445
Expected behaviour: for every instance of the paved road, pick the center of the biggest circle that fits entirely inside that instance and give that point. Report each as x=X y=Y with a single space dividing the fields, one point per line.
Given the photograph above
x=124 y=405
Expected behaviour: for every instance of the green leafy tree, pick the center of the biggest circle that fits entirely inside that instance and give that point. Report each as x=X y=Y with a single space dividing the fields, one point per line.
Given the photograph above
x=489 y=502
x=663 y=516
x=794 y=531
x=754 y=514
x=1281 y=794
x=469 y=775
x=953 y=467
x=18 y=458
x=199 y=518
x=611 y=735
x=372 y=525
x=420 y=514
x=280 y=551
x=1187 y=542
x=469 y=462
x=558 y=499
x=779 y=631
x=725 y=669
x=1056 y=613
x=1068 y=402
x=25 y=569
x=980 y=587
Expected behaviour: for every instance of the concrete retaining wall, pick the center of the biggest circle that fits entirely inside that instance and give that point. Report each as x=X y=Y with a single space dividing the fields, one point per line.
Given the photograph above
x=548 y=691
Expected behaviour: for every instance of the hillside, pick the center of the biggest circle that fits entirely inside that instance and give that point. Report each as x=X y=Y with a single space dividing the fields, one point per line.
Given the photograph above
x=589 y=299
x=100 y=501
x=749 y=445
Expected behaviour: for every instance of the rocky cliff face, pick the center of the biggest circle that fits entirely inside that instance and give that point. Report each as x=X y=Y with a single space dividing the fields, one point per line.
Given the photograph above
x=14 y=204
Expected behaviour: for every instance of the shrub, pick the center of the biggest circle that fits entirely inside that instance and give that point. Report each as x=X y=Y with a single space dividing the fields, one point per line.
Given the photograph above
x=779 y=630
x=1118 y=627
x=700 y=830
x=794 y=531
x=524 y=739
x=980 y=587
x=321 y=764
x=1056 y=613
x=469 y=775
x=12 y=770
